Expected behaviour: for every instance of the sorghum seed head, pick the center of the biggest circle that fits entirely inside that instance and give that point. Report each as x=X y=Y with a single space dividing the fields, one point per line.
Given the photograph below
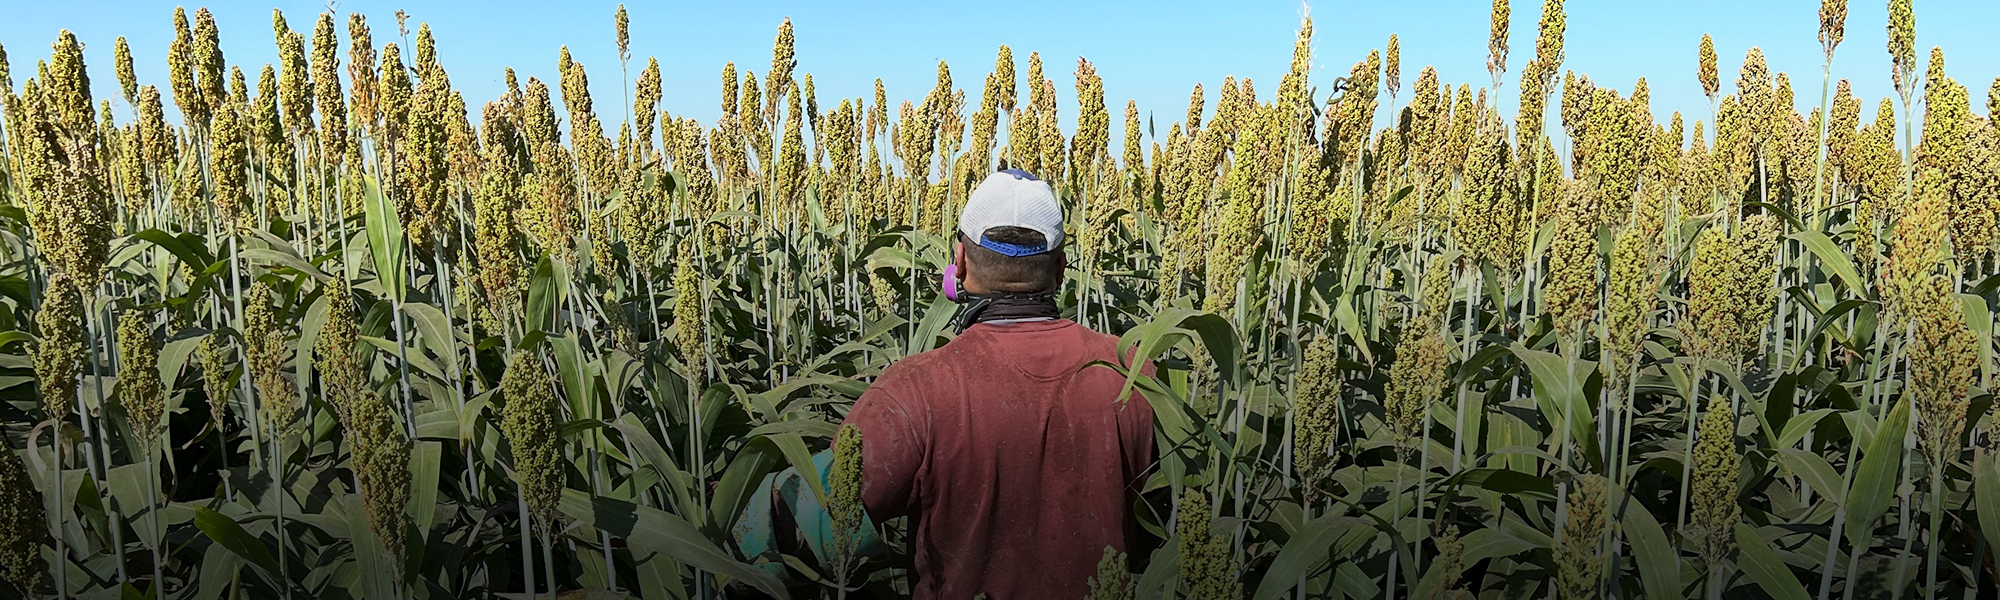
x=139 y=386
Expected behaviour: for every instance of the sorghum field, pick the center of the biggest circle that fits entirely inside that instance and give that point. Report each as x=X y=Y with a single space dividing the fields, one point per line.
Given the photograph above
x=349 y=334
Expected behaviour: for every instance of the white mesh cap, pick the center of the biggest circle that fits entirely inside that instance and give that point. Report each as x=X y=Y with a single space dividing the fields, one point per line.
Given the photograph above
x=1013 y=198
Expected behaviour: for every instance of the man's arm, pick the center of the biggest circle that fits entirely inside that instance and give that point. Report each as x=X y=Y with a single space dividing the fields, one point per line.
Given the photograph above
x=895 y=442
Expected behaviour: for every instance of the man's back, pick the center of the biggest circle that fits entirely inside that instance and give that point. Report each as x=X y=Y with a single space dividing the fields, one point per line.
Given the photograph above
x=1011 y=454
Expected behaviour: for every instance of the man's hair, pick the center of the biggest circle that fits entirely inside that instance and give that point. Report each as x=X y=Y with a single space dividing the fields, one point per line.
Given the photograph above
x=1015 y=274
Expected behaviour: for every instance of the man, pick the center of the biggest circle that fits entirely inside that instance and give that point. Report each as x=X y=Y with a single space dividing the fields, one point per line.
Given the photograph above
x=1011 y=454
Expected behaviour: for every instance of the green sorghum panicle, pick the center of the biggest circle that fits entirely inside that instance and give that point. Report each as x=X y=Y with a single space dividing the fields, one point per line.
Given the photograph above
x=1450 y=561
x=267 y=339
x=1916 y=250
x=180 y=72
x=843 y=494
x=59 y=347
x=1487 y=211
x=1392 y=66
x=1317 y=402
x=1712 y=495
x=1415 y=379
x=381 y=461
x=646 y=103
x=529 y=419
x=1112 y=581
x=1944 y=364
x=228 y=164
x=778 y=80
x=1579 y=563
x=326 y=90
x=1706 y=71
x=121 y=59
x=689 y=321
x=1208 y=567
x=1902 y=43
x=295 y=88
x=1549 y=39
x=1632 y=281
x=215 y=370
x=624 y=33
x=208 y=60
x=1569 y=297
x=24 y=526
x=337 y=356
x=139 y=387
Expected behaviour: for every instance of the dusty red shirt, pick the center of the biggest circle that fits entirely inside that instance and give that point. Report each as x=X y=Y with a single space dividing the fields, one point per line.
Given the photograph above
x=1012 y=456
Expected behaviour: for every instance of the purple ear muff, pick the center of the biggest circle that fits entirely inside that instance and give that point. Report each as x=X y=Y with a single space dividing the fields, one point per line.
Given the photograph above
x=950 y=282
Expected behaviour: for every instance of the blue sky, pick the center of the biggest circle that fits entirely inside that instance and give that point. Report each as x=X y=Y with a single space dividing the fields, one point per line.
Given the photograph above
x=1153 y=52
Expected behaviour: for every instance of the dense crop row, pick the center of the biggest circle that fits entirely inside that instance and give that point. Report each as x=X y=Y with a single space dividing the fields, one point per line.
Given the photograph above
x=345 y=333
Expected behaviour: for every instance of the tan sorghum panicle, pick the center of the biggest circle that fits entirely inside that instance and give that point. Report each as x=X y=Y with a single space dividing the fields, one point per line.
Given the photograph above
x=361 y=74
x=1317 y=225
x=1579 y=563
x=157 y=145
x=1832 y=24
x=778 y=80
x=132 y=173
x=139 y=387
x=1093 y=120
x=1353 y=116
x=267 y=337
x=1496 y=41
x=529 y=419
x=623 y=26
x=1712 y=494
x=1706 y=72
x=843 y=494
x=59 y=347
x=1317 y=402
x=1549 y=37
x=1113 y=581
x=121 y=60
x=1944 y=363
x=326 y=90
x=24 y=525
x=1902 y=44
x=1294 y=99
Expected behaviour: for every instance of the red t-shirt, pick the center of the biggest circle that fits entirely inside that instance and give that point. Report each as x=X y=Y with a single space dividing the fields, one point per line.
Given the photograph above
x=1012 y=456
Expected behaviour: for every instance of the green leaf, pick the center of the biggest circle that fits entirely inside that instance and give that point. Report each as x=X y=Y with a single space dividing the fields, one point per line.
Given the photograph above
x=1559 y=394
x=1834 y=259
x=1762 y=565
x=1796 y=428
x=385 y=239
x=1986 y=490
x=1304 y=553
x=1816 y=472
x=1875 y=482
x=800 y=457
x=424 y=484
x=1659 y=565
x=436 y=331
x=285 y=259
x=665 y=533
x=229 y=534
